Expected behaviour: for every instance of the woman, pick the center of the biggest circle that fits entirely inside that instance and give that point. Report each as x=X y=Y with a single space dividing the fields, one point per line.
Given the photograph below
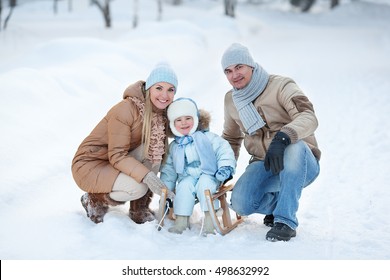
x=119 y=160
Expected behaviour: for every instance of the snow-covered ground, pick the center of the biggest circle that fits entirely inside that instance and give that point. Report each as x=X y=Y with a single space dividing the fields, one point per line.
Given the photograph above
x=59 y=74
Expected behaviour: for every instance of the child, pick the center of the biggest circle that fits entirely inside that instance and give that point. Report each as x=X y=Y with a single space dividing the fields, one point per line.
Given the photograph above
x=197 y=160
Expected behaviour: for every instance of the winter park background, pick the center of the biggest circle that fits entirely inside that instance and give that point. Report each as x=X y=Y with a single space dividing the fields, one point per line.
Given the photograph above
x=60 y=73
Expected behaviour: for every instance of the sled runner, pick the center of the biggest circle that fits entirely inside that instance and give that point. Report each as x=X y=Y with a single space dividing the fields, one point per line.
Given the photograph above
x=223 y=228
x=227 y=223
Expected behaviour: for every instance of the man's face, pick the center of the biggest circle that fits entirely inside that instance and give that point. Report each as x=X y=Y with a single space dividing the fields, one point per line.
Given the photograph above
x=239 y=75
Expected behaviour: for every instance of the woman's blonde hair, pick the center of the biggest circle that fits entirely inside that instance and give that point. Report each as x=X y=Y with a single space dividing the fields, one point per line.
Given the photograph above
x=147 y=123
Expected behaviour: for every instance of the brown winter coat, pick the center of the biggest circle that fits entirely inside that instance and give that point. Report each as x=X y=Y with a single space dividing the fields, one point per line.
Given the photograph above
x=104 y=153
x=283 y=107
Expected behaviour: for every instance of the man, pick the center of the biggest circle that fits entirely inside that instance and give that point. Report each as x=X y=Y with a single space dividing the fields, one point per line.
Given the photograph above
x=277 y=123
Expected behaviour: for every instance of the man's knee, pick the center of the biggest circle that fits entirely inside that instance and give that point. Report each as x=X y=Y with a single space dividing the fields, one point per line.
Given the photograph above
x=239 y=204
x=295 y=156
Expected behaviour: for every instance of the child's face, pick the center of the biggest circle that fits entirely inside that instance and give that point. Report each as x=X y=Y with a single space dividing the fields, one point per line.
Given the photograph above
x=184 y=124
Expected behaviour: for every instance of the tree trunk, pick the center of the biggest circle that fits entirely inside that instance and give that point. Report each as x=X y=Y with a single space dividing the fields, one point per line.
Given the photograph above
x=303 y=5
x=1 y=9
x=12 y=5
x=107 y=14
x=334 y=3
x=230 y=6
x=135 y=15
x=159 y=10
x=55 y=6
x=105 y=11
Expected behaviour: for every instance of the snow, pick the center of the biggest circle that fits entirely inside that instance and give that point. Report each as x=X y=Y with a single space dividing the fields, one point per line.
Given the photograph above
x=59 y=74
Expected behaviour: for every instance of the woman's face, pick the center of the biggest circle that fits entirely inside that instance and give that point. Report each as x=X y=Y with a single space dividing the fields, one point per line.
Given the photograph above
x=162 y=94
x=184 y=124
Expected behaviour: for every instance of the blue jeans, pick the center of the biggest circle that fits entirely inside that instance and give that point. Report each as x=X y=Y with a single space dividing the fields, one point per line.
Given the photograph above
x=259 y=191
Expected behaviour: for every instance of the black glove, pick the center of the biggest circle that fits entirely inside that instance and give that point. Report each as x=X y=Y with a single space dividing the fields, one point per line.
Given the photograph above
x=274 y=157
x=170 y=203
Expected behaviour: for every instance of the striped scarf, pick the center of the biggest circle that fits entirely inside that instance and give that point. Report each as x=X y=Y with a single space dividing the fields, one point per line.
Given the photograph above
x=243 y=100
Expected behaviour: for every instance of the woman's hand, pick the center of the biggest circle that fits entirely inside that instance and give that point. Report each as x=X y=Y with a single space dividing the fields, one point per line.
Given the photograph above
x=156 y=185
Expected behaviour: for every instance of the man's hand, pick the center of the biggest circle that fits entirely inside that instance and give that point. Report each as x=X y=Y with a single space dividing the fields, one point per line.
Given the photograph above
x=274 y=157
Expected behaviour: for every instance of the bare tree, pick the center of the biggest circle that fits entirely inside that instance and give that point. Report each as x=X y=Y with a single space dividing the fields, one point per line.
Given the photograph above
x=55 y=6
x=159 y=10
x=303 y=5
x=105 y=9
x=135 y=15
x=12 y=5
x=334 y=3
x=230 y=7
x=176 y=2
x=136 y=8
x=1 y=9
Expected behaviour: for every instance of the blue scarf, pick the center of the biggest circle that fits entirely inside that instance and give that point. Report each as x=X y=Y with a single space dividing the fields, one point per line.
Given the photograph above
x=243 y=100
x=208 y=160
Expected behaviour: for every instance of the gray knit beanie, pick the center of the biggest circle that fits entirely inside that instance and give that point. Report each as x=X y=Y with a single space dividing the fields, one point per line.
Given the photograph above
x=161 y=73
x=237 y=54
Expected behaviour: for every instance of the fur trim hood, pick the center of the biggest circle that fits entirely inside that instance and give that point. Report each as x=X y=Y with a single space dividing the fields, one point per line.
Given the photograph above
x=135 y=90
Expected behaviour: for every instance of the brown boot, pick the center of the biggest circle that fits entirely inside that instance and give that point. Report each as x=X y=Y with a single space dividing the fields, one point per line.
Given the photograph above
x=96 y=205
x=139 y=209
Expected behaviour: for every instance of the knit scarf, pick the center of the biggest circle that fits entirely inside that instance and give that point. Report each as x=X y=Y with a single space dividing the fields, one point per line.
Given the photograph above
x=208 y=160
x=243 y=100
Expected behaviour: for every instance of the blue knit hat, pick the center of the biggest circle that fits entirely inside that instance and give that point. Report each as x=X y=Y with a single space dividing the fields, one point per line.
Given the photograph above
x=162 y=72
x=237 y=54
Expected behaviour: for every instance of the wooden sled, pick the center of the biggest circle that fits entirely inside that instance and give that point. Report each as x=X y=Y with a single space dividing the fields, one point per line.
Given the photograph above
x=227 y=223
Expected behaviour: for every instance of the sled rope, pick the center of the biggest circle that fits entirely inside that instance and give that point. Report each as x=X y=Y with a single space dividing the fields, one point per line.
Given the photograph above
x=163 y=217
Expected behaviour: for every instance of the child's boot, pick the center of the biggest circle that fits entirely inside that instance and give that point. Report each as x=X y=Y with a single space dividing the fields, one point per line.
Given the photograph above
x=208 y=227
x=181 y=224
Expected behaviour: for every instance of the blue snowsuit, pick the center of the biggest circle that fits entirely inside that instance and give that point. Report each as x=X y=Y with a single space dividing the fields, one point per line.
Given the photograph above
x=193 y=181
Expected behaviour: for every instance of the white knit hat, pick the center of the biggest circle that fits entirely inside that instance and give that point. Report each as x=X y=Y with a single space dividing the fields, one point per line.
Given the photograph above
x=182 y=107
x=161 y=73
x=237 y=54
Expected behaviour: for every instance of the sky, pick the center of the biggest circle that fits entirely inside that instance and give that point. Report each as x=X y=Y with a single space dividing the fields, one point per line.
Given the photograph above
x=60 y=74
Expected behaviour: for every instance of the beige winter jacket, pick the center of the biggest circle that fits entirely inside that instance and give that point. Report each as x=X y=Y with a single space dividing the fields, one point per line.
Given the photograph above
x=104 y=153
x=283 y=107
